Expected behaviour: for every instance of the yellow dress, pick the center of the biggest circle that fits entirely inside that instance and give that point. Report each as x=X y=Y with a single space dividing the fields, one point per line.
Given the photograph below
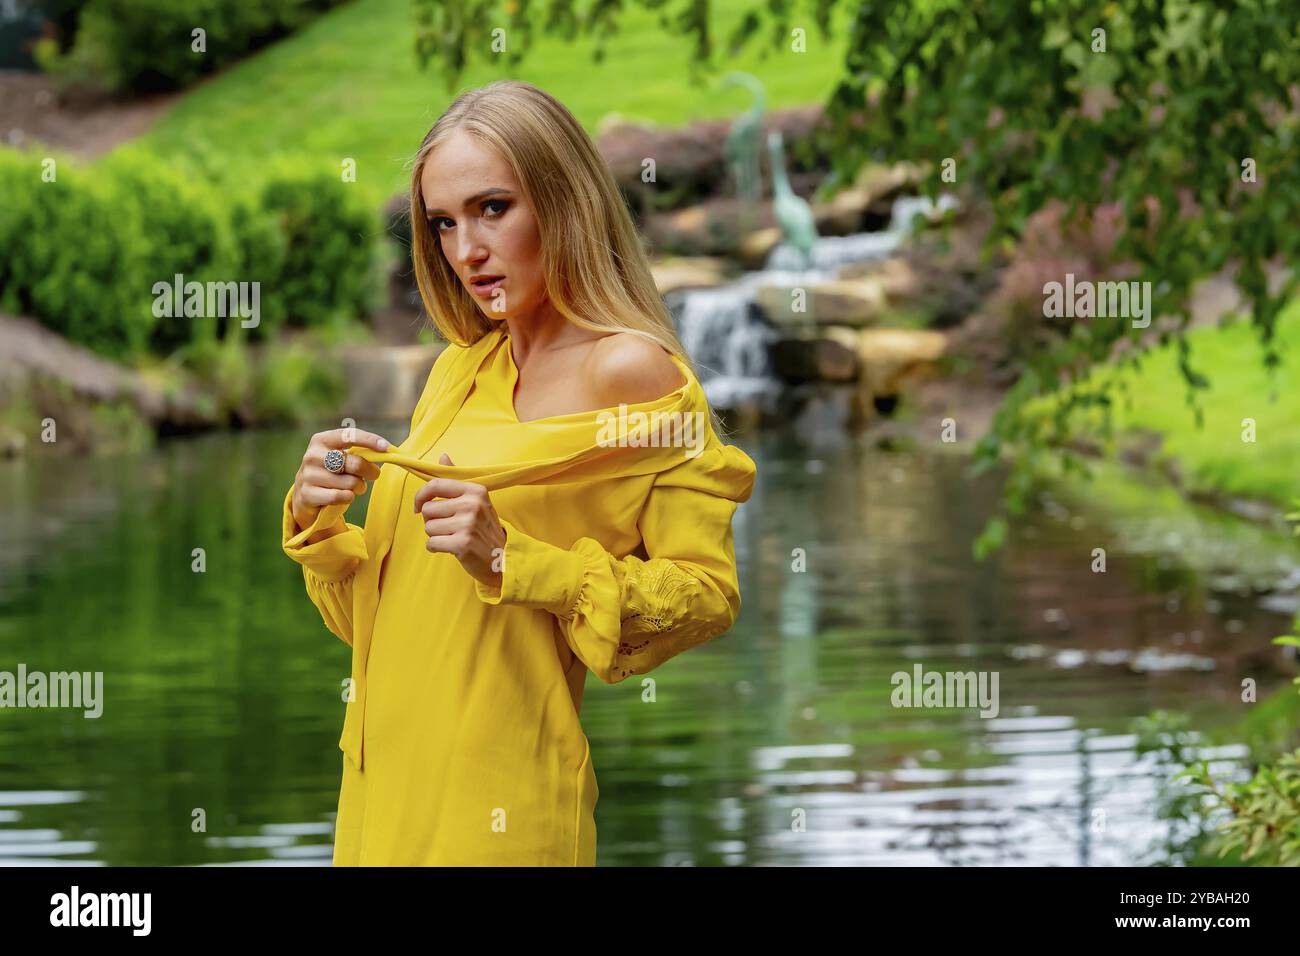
x=462 y=742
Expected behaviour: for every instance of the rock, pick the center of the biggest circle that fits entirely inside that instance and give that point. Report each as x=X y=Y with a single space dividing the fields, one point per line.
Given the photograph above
x=399 y=320
x=896 y=276
x=892 y=359
x=756 y=246
x=886 y=183
x=865 y=206
x=29 y=351
x=855 y=302
x=689 y=161
x=689 y=272
x=385 y=382
x=716 y=227
x=844 y=335
x=692 y=219
x=813 y=359
x=843 y=216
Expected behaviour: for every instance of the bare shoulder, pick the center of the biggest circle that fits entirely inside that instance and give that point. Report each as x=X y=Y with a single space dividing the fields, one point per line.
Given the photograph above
x=627 y=368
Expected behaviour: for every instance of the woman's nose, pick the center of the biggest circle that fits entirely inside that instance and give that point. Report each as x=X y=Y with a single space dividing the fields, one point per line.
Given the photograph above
x=469 y=249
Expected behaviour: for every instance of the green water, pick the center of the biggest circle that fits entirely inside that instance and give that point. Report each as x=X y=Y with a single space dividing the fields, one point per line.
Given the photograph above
x=775 y=744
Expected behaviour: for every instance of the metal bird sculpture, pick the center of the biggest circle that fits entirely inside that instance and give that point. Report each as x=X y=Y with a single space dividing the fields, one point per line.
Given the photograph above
x=744 y=141
x=793 y=214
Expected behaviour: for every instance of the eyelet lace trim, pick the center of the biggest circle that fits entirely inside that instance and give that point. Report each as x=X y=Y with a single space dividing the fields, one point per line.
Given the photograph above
x=658 y=592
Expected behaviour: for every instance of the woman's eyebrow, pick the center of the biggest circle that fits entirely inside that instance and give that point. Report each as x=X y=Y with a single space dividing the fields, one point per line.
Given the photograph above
x=492 y=191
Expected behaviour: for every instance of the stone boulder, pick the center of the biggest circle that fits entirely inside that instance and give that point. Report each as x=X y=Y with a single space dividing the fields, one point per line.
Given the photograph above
x=813 y=358
x=853 y=302
x=690 y=272
x=689 y=162
x=895 y=359
x=385 y=381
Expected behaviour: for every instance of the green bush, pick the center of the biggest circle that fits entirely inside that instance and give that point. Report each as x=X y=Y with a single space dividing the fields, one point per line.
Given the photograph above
x=147 y=45
x=260 y=245
x=187 y=230
x=1263 y=823
x=330 y=266
x=75 y=255
x=83 y=252
x=294 y=382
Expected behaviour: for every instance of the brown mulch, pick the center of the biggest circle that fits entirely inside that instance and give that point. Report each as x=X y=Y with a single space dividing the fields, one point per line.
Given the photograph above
x=31 y=112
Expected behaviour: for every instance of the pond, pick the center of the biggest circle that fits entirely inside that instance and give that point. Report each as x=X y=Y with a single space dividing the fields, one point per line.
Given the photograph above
x=776 y=744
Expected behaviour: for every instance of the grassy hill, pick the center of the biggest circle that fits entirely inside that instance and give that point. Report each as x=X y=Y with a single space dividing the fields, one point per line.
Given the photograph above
x=348 y=85
x=1214 y=458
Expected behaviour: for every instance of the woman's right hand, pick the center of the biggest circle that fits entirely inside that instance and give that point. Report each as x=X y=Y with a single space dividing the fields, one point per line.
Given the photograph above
x=316 y=487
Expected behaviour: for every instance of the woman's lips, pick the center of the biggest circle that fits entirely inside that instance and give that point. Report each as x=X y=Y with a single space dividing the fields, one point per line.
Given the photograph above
x=485 y=289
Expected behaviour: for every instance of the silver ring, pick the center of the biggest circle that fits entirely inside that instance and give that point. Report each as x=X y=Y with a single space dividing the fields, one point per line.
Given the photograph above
x=334 y=460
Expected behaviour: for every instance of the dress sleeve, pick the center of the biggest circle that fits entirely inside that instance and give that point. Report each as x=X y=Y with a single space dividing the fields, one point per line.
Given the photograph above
x=624 y=616
x=329 y=566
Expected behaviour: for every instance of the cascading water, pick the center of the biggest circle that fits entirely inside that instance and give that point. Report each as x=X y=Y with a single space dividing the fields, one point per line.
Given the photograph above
x=727 y=335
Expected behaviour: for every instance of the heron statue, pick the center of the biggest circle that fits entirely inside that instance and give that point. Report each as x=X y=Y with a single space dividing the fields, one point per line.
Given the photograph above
x=793 y=213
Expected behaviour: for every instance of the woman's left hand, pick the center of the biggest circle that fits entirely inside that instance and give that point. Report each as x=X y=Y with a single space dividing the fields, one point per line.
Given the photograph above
x=460 y=520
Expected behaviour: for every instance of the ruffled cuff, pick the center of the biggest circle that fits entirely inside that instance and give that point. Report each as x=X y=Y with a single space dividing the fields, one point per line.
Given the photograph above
x=535 y=574
x=331 y=559
x=334 y=600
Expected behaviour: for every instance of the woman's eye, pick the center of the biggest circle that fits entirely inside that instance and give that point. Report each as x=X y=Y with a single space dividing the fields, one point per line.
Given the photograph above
x=503 y=203
x=438 y=219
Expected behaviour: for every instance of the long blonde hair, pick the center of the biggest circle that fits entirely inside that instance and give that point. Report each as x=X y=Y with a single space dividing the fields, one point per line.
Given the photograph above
x=595 y=268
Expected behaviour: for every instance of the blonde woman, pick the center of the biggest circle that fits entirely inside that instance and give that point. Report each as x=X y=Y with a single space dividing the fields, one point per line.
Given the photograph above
x=563 y=504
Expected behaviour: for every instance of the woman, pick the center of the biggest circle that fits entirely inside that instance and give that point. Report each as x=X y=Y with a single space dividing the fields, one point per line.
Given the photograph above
x=529 y=528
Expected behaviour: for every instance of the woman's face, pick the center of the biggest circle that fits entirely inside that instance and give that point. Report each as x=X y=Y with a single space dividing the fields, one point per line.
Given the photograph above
x=484 y=225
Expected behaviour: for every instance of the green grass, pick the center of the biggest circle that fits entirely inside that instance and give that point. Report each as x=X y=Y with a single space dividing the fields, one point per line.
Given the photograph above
x=1214 y=458
x=347 y=85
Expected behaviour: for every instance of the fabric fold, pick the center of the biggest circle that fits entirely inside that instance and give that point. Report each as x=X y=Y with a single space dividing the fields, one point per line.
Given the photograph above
x=584 y=586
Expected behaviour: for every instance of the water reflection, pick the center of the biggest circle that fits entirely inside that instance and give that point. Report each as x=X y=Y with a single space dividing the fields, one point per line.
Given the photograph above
x=776 y=744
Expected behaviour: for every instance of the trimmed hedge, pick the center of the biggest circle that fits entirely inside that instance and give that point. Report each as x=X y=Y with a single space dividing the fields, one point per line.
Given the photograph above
x=148 y=45
x=83 y=253
x=71 y=254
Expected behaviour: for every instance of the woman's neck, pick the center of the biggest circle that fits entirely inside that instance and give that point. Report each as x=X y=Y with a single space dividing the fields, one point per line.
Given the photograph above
x=545 y=329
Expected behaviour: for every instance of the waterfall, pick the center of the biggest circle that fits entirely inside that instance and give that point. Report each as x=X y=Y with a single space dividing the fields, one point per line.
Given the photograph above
x=727 y=338
x=831 y=252
x=727 y=335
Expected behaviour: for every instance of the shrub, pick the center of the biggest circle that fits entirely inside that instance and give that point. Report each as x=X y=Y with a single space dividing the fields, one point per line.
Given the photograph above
x=83 y=253
x=148 y=45
x=330 y=265
x=187 y=230
x=1263 y=826
x=75 y=255
x=261 y=247
x=294 y=382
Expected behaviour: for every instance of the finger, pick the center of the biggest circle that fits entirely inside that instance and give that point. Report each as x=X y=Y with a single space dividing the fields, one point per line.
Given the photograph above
x=444 y=488
x=444 y=526
x=344 y=437
x=446 y=460
x=324 y=478
x=316 y=497
x=447 y=543
x=352 y=465
x=356 y=465
x=439 y=508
